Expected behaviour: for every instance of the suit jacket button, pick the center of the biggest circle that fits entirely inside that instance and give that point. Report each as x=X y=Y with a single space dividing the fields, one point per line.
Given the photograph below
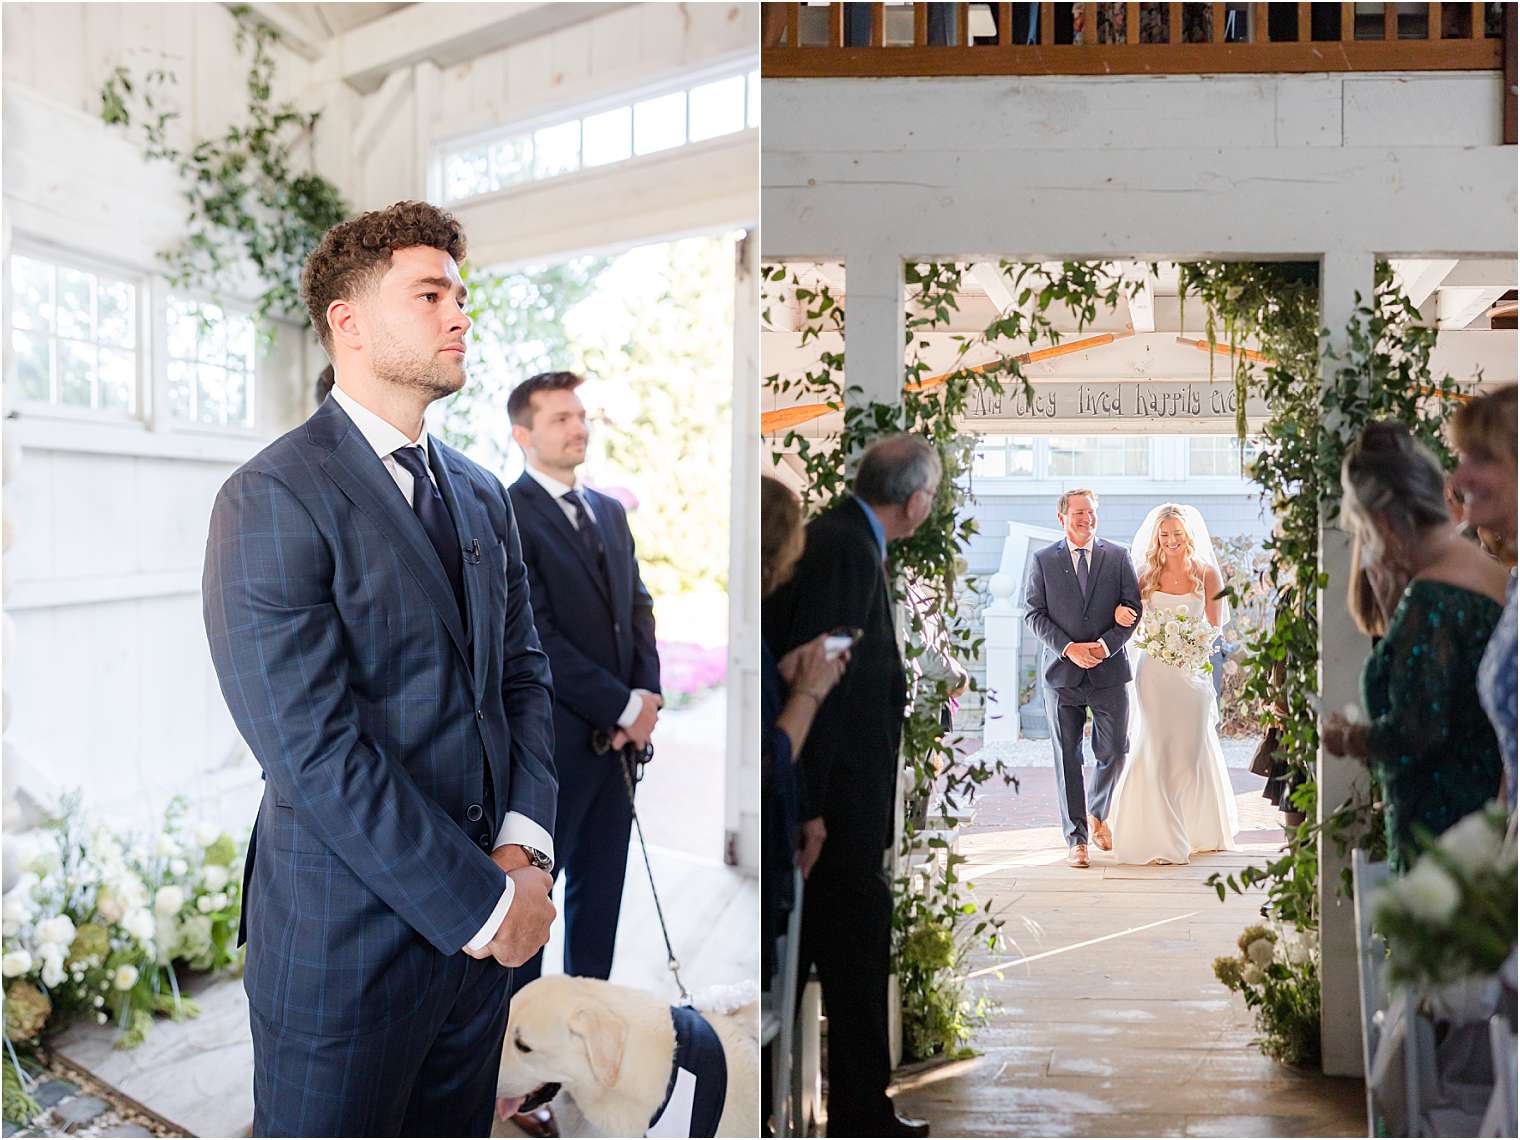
x=485 y=842
x=617 y=627
x=479 y=715
x=473 y=813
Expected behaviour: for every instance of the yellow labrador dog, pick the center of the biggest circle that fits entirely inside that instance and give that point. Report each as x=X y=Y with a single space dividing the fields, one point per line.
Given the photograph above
x=635 y=1065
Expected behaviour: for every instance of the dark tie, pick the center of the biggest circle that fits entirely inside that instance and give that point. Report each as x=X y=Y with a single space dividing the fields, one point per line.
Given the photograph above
x=434 y=517
x=1082 y=570
x=586 y=531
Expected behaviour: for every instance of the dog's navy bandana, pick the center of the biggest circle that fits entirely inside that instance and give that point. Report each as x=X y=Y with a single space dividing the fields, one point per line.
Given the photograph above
x=698 y=1084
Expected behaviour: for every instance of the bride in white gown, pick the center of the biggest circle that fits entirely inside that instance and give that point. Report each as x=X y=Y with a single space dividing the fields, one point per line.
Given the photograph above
x=1174 y=796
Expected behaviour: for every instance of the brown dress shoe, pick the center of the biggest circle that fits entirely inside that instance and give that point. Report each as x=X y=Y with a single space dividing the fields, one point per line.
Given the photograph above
x=1101 y=835
x=1077 y=856
x=537 y=1122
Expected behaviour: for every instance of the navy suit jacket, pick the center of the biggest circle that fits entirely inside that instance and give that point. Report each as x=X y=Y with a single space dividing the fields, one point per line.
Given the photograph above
x=373 y=710
x=599 y=635
x=1057 y=613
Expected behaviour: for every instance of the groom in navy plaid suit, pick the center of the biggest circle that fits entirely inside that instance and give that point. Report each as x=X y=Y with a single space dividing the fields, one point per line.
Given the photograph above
x=369 y=618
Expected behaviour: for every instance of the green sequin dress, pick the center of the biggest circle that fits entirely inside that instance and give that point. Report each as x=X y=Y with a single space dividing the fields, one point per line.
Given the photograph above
x=1430 y=744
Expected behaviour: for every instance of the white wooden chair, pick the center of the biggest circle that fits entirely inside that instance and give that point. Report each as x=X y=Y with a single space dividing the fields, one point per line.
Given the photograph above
x=1501 y=1118
x=1366 y=877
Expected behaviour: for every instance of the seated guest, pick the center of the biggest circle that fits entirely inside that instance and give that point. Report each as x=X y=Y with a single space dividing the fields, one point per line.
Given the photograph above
x=1428 y=741
x=1483 y=432
x=790 y=693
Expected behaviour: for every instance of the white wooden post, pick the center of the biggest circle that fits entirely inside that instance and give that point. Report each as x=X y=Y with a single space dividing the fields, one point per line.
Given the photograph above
x=1342 y=649
x=1003 y=630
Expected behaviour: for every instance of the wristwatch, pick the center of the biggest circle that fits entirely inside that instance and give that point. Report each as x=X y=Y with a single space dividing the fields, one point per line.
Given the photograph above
x=536 y=858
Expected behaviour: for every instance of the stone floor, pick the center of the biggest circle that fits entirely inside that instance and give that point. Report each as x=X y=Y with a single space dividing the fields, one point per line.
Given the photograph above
x=1110 y=1022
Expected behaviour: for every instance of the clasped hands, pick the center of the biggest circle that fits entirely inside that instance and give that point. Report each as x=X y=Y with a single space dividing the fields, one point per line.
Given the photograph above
x=525 y=928
x=1086 y=654
x=639 y=732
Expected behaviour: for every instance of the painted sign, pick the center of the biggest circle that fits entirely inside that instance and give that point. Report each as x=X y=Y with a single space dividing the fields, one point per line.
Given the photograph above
x=1114 y=402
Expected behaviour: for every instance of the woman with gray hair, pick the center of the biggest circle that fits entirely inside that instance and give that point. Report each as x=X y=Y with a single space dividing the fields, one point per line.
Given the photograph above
x=1427 y=739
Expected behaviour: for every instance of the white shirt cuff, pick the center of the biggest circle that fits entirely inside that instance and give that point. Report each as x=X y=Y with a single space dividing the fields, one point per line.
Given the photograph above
x=518 y=828
x=1067 y=646
x=493 y=924
x=632 y=709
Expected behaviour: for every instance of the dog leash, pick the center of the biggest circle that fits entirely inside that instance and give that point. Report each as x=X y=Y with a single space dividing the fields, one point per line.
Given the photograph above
x=631 y=761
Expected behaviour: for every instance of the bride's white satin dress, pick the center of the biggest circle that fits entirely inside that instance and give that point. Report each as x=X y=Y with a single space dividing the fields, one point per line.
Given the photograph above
x=1174 y=796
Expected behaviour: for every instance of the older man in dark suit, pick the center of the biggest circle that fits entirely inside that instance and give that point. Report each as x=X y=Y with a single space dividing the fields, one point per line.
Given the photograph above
x=849 y=769
x=369 y=620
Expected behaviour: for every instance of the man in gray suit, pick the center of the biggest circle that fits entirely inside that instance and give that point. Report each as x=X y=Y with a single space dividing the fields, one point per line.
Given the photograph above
x=1076 y=588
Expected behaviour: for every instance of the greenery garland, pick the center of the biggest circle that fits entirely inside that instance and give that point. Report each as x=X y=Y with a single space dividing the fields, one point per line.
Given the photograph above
x=1382 y=373
x=247 y=201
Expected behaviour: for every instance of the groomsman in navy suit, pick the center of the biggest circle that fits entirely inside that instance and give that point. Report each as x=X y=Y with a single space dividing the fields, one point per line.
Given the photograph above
x=596 y=621
x=369 y=618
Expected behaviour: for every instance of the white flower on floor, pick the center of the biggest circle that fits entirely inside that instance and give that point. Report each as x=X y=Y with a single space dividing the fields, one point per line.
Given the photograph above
x=169 y=900
x=1473 y=844
x=58 y=930
x=102 y=1018
x=1428 y=892
x=125 y=977
x=1260 y=952
x=16 y=963
x=214 y=877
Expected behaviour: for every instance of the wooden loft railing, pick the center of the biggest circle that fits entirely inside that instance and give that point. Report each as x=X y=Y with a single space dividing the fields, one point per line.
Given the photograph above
x=949 y=39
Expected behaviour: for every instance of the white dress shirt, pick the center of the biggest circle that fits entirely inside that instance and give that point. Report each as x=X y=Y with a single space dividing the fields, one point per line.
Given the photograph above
x=386 y=439
x=1076 y=553
x=557 y=491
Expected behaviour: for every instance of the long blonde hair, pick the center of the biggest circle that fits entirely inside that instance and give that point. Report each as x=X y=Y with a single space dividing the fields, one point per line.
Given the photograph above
x=1150 y=574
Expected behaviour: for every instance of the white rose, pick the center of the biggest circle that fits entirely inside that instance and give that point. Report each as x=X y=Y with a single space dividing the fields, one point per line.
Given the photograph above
x=46 y=862
x=178 y=867
x=1473 y=844
x=16 y=913
x=140 y=925
x=125 y=977
x=205 y=833
x=1260 y=952
x=1428 y=892
x=1253 y=975
x=16 y=963
x=169 y=900
x=59 y=930
x=52 y=971
x=219 y=900
x=214 y=877
x=165 y=845
x=203 y=904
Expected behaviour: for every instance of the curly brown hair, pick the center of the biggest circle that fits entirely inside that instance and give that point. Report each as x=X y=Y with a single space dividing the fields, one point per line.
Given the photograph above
x=353 y=255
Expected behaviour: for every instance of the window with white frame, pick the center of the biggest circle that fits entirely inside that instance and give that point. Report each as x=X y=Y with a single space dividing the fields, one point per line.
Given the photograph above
x=1220 y=456
x=210 y=364
x=1003 y=457
x=662 y=121
x=1098 y=455
x=74 y=336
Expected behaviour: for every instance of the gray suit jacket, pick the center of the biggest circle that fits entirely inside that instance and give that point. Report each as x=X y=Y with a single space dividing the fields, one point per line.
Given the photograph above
x=1058 y=614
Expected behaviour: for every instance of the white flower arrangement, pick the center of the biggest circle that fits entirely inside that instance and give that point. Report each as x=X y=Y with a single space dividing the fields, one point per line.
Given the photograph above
x=1177 y=638
x=98 y=924
x=1450 y=921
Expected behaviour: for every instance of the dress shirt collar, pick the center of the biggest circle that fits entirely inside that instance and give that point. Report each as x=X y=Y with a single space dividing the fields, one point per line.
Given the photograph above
x=379 y=433
x=879 y=531
x=556 y=489
x=1091 y=547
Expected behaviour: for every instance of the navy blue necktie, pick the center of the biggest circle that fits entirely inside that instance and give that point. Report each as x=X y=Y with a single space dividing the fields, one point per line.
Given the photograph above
x=585 y=530
x=1082 y=570
x=433 y=514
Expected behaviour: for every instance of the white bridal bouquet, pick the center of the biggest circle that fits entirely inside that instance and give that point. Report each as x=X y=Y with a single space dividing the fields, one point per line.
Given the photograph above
x=1177 y=638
